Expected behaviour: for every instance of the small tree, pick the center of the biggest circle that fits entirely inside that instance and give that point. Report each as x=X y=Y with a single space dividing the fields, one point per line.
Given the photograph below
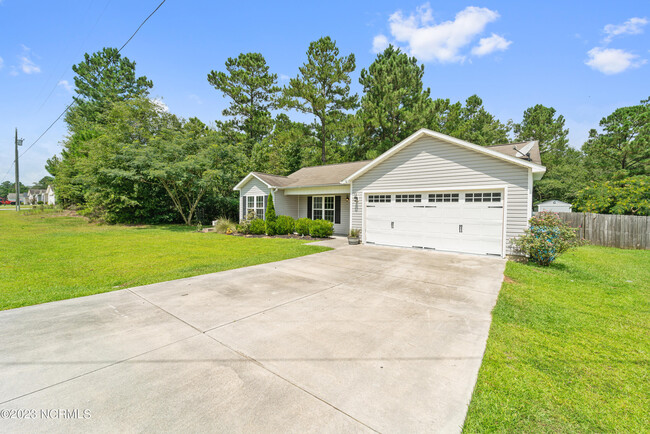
x=546 y=238
x=269 y=216
x=628 y=196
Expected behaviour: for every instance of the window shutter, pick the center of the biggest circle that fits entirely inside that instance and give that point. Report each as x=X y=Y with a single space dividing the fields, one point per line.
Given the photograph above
x=337 y=209
x=266 y=199
x=243 y=200
x=308 y=207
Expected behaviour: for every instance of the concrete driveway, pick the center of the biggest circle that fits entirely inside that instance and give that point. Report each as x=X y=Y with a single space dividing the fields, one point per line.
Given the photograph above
x=361 y=338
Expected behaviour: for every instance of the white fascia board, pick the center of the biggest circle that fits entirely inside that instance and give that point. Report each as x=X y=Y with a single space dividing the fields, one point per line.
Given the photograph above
x=316 y=189
x=536 y=168
x=247 y=178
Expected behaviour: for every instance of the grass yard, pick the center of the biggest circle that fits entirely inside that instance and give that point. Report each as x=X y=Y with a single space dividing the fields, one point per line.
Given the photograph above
x=569 y=347
x=46 y=257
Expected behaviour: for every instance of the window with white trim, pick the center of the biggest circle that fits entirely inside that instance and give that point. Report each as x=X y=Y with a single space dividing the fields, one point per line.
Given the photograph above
x=255 y=203
x=379 y=198
x=443 y=197
x=323 y=208
x=403 y=198
x=482 y=197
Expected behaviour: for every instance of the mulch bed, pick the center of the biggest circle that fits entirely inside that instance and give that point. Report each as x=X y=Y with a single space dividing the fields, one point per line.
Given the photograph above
x=293 y=236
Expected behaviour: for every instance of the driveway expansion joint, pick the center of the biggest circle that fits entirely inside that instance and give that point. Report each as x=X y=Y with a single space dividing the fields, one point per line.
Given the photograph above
x=261 y=365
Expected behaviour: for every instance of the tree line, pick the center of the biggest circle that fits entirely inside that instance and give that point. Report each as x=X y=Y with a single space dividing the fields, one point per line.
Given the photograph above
x=126 y=159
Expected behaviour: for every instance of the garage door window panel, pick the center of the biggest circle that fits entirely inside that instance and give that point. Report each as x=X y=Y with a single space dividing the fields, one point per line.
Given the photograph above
x=379 y=198
x=408 y=198
x=443 y=197
x=482 y=197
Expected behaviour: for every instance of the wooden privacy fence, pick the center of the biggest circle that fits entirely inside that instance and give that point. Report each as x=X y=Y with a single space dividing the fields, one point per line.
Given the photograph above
x=623 y=231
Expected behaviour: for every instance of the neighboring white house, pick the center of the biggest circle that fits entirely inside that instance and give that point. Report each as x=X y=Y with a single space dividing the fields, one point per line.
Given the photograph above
x=35 y=195
x=429 y=191
x=50 y=198
x=554 y=206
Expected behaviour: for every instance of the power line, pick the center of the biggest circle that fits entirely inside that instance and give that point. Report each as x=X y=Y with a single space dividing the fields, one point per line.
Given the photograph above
x=81 y=46
x=70 y=105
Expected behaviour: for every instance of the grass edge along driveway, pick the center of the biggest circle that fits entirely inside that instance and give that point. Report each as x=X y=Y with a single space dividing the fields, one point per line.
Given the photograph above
x=569 y=347
x=47 y=257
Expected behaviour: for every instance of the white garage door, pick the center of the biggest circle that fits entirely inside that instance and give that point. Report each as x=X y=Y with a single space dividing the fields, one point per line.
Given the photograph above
x=470 y=222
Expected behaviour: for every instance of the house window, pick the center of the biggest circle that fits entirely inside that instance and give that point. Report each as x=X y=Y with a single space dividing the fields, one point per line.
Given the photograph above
x=403 y=198
x=443 y=197
x=379 y=198
x=482 y=197
x=323 y=208
x=255 y=203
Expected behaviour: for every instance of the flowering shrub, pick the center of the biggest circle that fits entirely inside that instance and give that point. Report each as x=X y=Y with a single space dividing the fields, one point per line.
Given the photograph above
x=546 y=238
x=244 y=227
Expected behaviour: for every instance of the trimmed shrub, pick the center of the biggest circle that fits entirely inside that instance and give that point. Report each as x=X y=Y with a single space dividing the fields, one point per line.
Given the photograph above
x=302 y=226
x=269 y=214
x=284 y=225
x=546 y=238
x=258 y=227
x=321 y=228
x=270 y=228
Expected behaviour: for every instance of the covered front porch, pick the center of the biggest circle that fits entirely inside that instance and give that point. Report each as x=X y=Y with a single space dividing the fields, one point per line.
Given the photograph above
x=322 y=202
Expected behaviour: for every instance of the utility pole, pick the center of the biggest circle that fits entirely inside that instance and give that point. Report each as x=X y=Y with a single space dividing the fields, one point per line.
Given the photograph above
x=19 y=142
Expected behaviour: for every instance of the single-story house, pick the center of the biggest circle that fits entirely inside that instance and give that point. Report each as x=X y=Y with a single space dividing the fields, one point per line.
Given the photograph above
x=554 y=206
x=11 y=197
x=50 y=197
x=36 y=195
x=429 y=191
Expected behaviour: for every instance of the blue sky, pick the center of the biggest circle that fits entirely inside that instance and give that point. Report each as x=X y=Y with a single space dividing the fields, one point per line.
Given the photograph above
x=585 y=58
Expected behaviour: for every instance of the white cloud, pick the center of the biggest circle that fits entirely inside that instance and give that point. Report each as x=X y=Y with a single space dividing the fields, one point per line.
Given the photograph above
x=490 y=45
x=284 y=77
x=29 y=67
x=633 y=26
x=2 y=62
x=611 y=61
x=379 y=43
x=441 y=42
x=66 y=85
x=160 y=105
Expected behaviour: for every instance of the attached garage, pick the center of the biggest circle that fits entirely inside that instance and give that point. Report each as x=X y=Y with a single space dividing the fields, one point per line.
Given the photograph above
x=460 y=221
x=433 y=191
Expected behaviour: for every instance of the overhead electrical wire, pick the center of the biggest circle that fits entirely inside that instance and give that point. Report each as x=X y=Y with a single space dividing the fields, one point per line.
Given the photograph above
x=70 y=105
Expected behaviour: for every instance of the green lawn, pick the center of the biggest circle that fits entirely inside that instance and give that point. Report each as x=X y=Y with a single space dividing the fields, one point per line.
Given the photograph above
x=46 y=257
x=569 y=347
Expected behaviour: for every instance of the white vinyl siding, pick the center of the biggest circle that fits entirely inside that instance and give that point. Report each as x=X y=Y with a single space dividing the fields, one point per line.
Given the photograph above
x=433 y=164
x=254 y=187
x=285 y=205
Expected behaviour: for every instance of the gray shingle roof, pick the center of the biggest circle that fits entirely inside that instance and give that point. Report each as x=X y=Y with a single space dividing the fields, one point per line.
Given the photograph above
x=509 y=149
x=333 y=174
x=330 y=174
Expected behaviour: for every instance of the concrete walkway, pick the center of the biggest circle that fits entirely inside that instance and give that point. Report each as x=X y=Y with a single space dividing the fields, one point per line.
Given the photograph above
x=361 y=338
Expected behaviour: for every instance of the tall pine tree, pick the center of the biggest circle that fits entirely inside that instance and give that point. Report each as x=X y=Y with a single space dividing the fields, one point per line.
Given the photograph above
x=252 y=90
x=394 y=104
x=322 y=89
